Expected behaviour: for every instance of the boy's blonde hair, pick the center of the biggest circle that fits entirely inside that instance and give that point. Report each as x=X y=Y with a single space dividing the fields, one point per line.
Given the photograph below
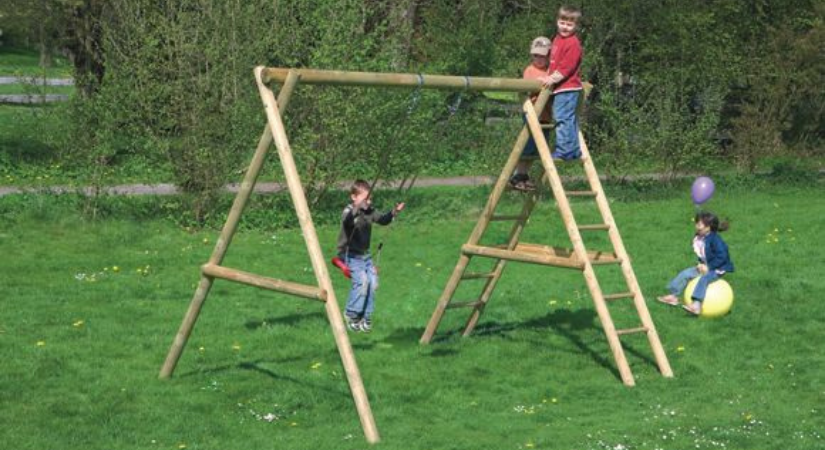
x=571 y=13
x=359 y=186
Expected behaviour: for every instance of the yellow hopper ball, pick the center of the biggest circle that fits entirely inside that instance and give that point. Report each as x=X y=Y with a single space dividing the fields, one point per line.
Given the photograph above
x=718 y=298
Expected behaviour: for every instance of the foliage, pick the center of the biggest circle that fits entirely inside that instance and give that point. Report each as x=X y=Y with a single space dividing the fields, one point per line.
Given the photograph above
x=168 y=85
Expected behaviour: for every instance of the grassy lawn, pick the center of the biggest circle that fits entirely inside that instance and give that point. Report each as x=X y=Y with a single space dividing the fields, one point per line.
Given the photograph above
x=90 y=309
x=26 y=62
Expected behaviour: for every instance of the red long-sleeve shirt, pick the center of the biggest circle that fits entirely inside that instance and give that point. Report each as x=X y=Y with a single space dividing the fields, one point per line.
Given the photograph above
x=566 y=57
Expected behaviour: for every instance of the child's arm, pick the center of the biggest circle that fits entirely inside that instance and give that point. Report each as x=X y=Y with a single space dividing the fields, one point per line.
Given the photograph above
x=386 y=218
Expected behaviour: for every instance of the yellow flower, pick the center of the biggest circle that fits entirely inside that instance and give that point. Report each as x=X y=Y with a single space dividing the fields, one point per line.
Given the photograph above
x=115 y=269
x=205 y=240
x=78 y=324
x=236 y=347
x=41 y=343
x=201 y=349
x=316 y=366
x=293 y=424
x=680 y=348
x=554 y=400
x=553 y=302
x=530 y=445
x=181 y=446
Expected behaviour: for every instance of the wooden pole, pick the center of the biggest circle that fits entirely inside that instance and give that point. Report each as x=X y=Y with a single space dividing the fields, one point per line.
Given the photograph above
x=627 y=270
x=578 y=246
x=376 y=79
x=316 y=256
x=483 y=221
x=224 y=240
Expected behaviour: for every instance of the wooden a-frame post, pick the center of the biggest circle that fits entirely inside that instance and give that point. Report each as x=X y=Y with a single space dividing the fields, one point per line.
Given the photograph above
x=323 y=292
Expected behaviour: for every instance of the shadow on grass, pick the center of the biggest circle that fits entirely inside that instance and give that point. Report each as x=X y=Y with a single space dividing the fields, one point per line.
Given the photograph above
x=289 y=320
x=569 y=324
x=258 y=367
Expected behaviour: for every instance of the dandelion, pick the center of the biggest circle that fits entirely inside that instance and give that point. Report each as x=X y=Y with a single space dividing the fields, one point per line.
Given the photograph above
x=181 y=446
x=236 y=347
x=78 y=324
x=530 y=445
x=680 y=348
x=418 y=264
x=316 y=366
x=115 y=269
x=554 y=400
x=205 y=240
x=552 y=302
x=293 y=424
x=41 y=343
x=201 y=349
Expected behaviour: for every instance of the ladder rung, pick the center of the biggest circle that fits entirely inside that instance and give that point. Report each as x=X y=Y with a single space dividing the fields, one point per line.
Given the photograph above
x=505 y=217
x=581 y=193
x=548 y=126
x=600 y=226
x=464 y=304
x=618 y=296
x=632 y=331
x=603 y=262
x=476 y=275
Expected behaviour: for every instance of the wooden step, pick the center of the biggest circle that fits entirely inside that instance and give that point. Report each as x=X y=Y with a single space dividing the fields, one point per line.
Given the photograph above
x=631 y=331
x=581 y=193
x=505 y=217
x=618 y=296
x=540 y=254
x=472 y=304
x=477 y=275
x=594 y=227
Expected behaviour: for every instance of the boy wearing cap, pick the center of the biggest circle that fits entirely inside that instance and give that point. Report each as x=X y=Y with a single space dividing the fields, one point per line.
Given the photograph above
x=538 y=69
x=565 y=79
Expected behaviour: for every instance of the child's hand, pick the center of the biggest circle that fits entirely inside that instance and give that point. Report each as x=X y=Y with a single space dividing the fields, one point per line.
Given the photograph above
x=703 y=268
x=398 y=208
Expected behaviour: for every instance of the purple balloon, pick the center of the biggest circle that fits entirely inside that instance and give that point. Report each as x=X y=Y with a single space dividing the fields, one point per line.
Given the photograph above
x=702 y=190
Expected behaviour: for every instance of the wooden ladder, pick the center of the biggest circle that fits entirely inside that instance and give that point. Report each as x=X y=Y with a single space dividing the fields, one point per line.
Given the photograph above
x=578 y=258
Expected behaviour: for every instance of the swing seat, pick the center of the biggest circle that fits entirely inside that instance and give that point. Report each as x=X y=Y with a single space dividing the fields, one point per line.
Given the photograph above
x=342 y=266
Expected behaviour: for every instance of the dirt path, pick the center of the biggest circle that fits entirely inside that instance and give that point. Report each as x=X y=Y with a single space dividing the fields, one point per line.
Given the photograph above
x=266 y=188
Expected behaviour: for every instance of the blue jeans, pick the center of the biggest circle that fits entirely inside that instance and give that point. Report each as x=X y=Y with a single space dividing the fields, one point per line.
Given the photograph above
x=567 y=125
x=677 y=285
x=530 y=148
x=361 y=301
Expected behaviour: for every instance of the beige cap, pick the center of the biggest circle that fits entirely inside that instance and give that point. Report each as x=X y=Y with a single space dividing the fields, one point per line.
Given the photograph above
x=540 y=46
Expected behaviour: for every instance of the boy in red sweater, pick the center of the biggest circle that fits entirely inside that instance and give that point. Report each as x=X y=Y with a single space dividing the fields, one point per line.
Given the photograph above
x=565 y=79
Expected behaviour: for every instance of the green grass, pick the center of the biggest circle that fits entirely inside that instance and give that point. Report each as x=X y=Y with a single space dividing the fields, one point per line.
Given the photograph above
x=26 y=62
x=82 y=343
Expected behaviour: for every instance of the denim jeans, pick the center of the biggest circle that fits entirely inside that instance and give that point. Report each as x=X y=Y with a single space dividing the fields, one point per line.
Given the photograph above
x=677 y=285
x=531 y=148
x=361 y=301
x=567 y=125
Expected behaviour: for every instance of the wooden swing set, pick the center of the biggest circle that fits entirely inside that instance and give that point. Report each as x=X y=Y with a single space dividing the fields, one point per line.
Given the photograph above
x=577 y=258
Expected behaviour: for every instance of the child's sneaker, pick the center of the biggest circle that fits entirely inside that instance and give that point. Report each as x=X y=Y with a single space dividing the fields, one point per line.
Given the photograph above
x=353 y=324
x=365 y=325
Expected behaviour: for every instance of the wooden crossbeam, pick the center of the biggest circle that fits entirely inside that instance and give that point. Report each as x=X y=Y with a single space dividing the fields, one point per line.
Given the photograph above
x=272 y=284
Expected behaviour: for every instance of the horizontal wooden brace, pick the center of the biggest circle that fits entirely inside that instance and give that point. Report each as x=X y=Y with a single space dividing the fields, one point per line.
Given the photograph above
x=272 y=284
x=631 y=331
x=581 y=193
x=472 y=304
x=600 y=226
x=505 y=217
x=410 y=80
x=476 y=275
x=618 y=296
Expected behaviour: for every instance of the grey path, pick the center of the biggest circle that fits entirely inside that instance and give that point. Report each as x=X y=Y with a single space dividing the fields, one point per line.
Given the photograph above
x=170 y=189
x=26 y=99
x=39 y=81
